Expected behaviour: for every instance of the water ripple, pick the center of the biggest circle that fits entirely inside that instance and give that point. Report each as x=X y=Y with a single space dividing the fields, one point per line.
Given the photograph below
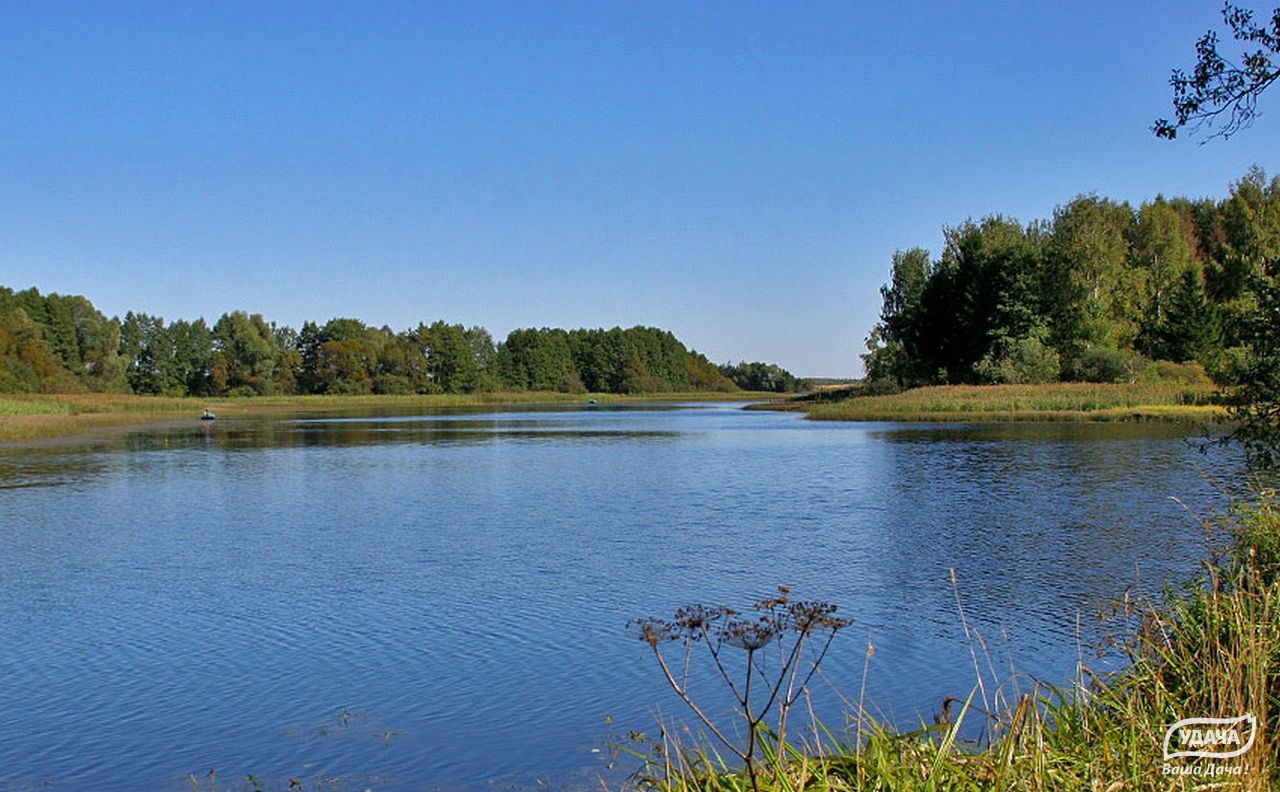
x=442 y=601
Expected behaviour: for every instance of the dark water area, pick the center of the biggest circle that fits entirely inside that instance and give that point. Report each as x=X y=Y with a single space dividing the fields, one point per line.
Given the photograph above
x=442 y=601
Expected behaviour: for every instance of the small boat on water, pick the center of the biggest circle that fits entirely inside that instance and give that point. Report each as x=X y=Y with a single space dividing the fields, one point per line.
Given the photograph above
x=208 y=416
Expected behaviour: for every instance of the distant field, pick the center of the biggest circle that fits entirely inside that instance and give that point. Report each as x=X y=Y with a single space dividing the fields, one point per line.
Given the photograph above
x=1072 y=401
x=25 y=417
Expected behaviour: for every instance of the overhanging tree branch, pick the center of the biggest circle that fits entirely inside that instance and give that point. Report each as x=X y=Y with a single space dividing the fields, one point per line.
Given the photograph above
x=1222 y=94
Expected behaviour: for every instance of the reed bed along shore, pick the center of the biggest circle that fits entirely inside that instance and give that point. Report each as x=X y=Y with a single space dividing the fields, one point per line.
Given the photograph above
x=1067 y=401
x=27 y=417
x=1209 y=650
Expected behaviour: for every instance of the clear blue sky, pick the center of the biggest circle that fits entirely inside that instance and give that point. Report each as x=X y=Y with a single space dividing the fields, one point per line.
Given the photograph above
x=739 y=173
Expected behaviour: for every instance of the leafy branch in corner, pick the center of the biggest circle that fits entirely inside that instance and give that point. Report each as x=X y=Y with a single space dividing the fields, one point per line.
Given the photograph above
x=1221 y=92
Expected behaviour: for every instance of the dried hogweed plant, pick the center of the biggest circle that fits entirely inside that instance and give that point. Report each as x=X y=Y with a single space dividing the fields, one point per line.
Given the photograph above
x=797 y=633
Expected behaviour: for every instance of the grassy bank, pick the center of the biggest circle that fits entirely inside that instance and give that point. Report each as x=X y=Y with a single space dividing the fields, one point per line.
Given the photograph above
x=1210 y=651
x=27 y=417
x=1068 y=401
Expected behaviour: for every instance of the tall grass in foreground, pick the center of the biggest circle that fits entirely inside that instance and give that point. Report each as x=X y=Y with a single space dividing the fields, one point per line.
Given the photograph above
x=1211 y=651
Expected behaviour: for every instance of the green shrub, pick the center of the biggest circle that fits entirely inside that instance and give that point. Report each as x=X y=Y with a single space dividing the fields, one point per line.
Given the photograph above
x=1257 y=533
x=878 y=387
x=17 y=377
x=1168 y=372
x=571 y=383
x=1101 y=364
x=644 y=384
x=396 y=384
x=1025 y=361
x=345 y=387
x=1231 y=366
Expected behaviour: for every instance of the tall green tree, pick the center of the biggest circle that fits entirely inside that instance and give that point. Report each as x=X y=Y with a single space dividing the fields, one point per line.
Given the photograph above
x=102 y=366
x=1093 y=297
x=60 y=331
x=484 y=354
x=451 y=361
x=243 y=355
x=983 y=294
x=286 y=369
x=1255 y=401
x=193 y=356
x=705 y=375
x=1159 y=255
x=1250 y=227
x=150 y=359
x=894 y=345
x=538 y=359
x=1189 y=330
x=26 y=362
x=757 y=376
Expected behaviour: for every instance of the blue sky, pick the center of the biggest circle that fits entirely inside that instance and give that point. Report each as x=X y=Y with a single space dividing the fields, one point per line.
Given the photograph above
x=739 y=173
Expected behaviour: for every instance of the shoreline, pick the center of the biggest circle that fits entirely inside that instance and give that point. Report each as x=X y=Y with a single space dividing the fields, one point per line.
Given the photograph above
x=1058 y=402
x=48 y=420
x=44 y=420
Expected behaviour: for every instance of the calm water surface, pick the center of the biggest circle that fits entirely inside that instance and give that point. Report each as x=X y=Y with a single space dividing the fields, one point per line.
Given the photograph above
x=441 y=601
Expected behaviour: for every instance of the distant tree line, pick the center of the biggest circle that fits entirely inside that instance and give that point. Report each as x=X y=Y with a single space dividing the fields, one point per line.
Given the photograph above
x=52 y=343
x=1096 y=293
x=763 y=377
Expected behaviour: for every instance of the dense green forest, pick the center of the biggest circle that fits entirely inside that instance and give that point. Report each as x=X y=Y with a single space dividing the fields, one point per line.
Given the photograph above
x=1098 y=293
x=53 y=343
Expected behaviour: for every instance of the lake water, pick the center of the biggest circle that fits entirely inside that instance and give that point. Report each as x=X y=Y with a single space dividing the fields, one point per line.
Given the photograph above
x=441 y=601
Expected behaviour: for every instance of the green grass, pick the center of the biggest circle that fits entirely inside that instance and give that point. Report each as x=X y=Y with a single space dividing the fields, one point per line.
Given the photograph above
x=1211 y=651
x=12 y=406
x=1072 y=401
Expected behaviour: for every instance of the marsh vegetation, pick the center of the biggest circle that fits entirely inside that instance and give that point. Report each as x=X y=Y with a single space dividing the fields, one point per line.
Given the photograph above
x=1211 y=647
